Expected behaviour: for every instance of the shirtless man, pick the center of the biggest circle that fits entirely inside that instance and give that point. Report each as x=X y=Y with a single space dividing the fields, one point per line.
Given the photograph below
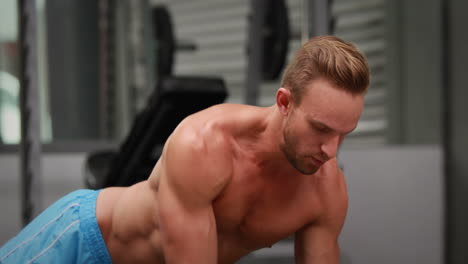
x=231 y=179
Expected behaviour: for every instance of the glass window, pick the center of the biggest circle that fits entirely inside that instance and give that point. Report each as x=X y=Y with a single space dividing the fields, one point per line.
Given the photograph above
x=67 y=67
x=9 y=82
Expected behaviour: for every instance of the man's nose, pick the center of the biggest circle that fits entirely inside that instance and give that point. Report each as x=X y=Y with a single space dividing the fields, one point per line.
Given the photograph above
x=330 y=147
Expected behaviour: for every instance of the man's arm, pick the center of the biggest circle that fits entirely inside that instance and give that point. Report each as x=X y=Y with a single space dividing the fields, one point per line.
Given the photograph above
x=317 y=243
x=195 y=171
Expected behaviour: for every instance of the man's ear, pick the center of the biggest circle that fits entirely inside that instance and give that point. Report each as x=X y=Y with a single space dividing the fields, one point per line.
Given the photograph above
x=284 y=100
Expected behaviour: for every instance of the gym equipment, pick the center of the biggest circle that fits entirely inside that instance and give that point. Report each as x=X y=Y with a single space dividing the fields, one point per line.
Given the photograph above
x=30 y=148
x=319 y=14
x=267 y=52
x=276 y=32
x=172 y=99
x=275 y=36
x=171 y=102
x=275 y=39
x=166 y=43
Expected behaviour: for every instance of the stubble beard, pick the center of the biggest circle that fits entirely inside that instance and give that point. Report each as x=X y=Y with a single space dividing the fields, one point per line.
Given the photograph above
x=288 y=147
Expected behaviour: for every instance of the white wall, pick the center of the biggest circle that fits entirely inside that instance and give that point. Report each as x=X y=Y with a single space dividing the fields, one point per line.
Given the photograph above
x=396 y=210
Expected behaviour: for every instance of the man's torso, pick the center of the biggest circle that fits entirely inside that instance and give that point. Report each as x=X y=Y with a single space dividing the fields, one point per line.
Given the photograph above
x=255 y=210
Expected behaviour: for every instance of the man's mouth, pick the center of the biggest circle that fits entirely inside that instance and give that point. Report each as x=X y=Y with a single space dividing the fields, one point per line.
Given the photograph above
x=317 y=161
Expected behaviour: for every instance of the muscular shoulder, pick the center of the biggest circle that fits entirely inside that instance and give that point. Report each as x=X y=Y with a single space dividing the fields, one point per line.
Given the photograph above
x=196 y=135
x=199 y=152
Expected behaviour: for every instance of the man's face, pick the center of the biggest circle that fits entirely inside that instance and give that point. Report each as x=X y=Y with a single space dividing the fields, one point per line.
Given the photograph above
x=315 y=128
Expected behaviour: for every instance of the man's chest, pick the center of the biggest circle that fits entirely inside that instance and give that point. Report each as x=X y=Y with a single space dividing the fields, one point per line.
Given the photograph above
x=259 y=213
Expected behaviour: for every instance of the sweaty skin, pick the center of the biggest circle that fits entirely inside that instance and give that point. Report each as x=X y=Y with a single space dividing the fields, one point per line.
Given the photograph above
x=235 y=178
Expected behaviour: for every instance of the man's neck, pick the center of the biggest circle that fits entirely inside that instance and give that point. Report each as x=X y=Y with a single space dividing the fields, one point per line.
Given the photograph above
x=266 y=148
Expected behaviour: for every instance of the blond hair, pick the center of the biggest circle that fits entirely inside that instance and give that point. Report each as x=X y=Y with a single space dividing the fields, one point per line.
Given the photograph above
x=331 y=58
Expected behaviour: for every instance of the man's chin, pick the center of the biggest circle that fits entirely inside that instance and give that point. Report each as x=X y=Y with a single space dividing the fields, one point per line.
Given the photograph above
x=308 y=170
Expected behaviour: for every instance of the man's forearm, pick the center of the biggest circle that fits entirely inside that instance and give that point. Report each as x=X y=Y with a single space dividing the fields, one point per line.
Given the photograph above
x=319 y=260
x=331 y=257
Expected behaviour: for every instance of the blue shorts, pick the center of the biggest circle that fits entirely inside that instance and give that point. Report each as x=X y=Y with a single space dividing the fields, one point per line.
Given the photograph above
x=66 y=232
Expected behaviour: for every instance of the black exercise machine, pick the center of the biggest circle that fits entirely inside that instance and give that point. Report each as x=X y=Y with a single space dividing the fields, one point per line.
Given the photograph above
x=174 y=99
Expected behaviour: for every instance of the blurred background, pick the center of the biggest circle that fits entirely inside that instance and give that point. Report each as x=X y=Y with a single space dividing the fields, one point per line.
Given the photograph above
x=83 y=82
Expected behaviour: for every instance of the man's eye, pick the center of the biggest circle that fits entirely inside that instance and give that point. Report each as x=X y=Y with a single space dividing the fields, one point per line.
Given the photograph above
x=323 y=129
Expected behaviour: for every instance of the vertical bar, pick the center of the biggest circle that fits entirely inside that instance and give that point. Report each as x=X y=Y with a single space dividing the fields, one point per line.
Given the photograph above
x=456 y=127
x=30 y=148
x=148 y=48
x=138 y=53
x=123 y=94
x=254 y=50
x=2 y=59
x=395 y=102
x=320 y=17
x=447 y=132
x=103 y=106
x=306 y=21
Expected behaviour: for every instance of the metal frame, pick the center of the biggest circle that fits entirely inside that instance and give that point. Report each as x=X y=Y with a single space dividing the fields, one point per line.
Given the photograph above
x=255 y=55
x=65 y=146
x=394 y=23
x=30 y=147
x=321 y=10
x=455 y=128
x=312 y=25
